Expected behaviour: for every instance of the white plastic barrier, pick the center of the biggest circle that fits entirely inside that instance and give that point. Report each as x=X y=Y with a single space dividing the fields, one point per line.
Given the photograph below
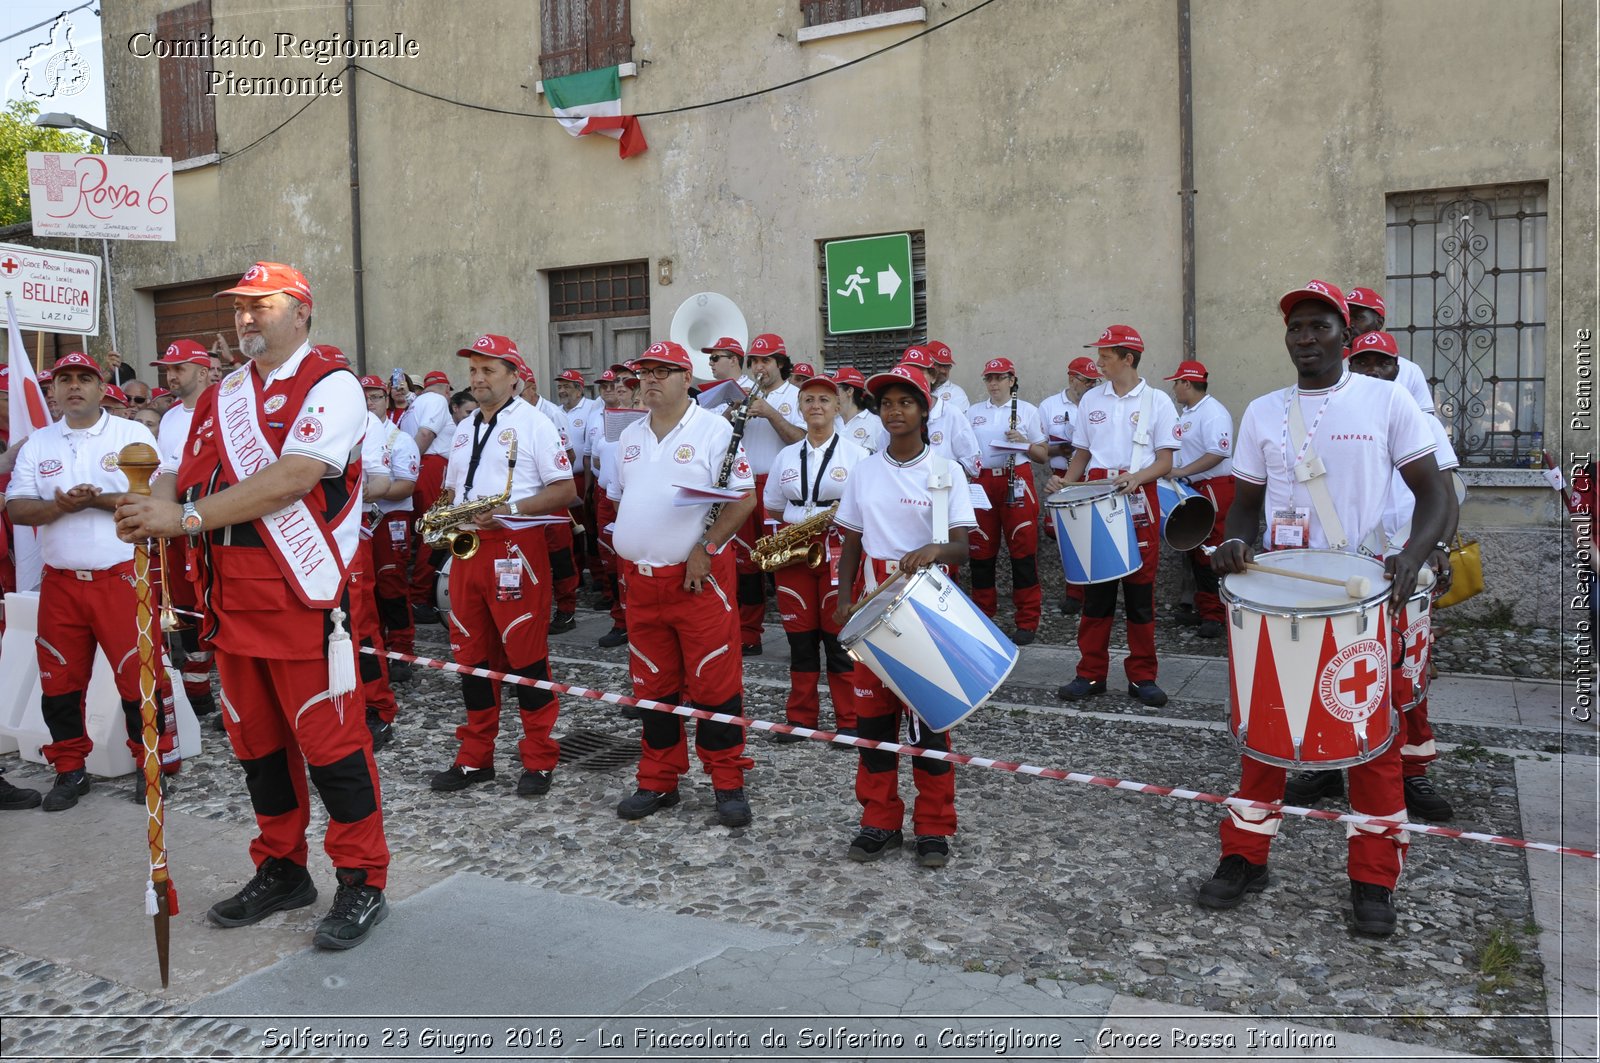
x=22 y=725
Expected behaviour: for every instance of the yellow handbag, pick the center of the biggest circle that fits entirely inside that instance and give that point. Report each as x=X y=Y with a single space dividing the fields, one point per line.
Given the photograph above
x=1466 y=574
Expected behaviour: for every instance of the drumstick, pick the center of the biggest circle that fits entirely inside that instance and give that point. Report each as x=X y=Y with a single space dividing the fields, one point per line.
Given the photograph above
x=875 y=592
x=1355 y=586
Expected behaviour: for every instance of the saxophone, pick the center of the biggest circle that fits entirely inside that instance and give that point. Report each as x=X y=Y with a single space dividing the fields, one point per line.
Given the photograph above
x=795 y=543
x=440 y=525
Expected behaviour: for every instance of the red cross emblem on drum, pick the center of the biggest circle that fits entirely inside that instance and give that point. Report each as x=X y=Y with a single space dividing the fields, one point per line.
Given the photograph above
x=1417 y=638
x=1351 y=685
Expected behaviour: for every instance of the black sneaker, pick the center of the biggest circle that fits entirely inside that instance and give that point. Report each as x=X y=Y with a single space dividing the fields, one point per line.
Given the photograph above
x=617 y=636
x=1024 y=636
x=70 y=785
x=1210 y=629
x=786 y=738
x=1423 y=801
x=1235 y=876
x=381 y=732
x=1184 y=615
x=874 y=843
x=733 y=809
x=1309 y=787
x=1148 y=693
x=562 y=622
x=932 y=850
x=533 y=784
x=401 y=671
x=1081 y=688
x=203 y=704
x=1071 y=606
x=17 y=798
x=1373 y=907
x=752 y=650
x=423 y=613
x=357 y=908
x=279 y=885
x=456 y=777
x=645 y=802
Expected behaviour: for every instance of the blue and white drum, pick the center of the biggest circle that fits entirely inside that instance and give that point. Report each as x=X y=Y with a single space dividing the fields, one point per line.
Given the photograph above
x=1186 y=514
x=928 y=643
x=1094 y=532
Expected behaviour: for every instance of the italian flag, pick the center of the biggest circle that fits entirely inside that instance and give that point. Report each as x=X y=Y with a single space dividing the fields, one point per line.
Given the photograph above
x=591 y=102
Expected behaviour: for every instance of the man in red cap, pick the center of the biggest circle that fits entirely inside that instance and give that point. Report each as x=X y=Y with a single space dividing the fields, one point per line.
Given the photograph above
x=1129 y=436
x=392 y=527
x=1204 y=462
x=727 y=361
x=1058 y=413
x=1324 y=493
x=500 y=596
x=269 y=486
x=949 y=431
x=677 y=572
x=944 y=360
x=428 y=419
x=1367 y=312
x=438 y=382
x=66 y=482
x=618 y=388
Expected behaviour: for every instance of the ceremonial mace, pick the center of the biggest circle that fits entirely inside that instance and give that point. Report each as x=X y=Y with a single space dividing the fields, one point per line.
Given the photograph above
x=138 y=462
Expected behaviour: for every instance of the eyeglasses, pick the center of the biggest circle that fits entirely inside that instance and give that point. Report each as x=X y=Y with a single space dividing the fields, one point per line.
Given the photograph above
x=137 y=401
x=719 y=356
x=658 y=372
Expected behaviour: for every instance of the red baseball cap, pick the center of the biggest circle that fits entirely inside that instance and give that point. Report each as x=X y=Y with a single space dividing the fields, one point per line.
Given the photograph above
x=78 y=360
x=435 y=376
x=620 y=367
x=730 y=345
x=941 y=352
x=998 y=366
x=115 y=396
x=816 y=380
x=184 y=352
x=1189 y=371
x=571 y=376
x=491 y=346
x=159 y=393
x=1119 y=336
x=767 y=345
x=1084 y=366
x=328 y=350
x=849 y=374
x=903 y=373
x=611 y=376
x=668 y=353
x=803 y=370
x=1381 y=342
x=1321 y=291
x=373 y=383
x=44 y=376
x=917 y=355
x=270 y=278
x=1366 y=297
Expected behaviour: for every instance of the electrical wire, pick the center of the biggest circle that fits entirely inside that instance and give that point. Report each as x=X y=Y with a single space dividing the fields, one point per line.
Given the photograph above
x=48 y=21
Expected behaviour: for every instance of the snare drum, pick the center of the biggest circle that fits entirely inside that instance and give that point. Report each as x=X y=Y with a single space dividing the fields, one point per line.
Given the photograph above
x=1094 y=532
x=1412 y=645
x=1186 y=514
x=928 y=643
x=441 y=585
x=1308 y=666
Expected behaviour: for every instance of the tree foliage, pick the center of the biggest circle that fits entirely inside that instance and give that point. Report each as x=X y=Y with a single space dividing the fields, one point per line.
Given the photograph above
x=18 y=136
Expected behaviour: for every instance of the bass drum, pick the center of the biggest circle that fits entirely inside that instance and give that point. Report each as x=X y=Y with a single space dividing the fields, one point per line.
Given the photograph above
x=441 y=585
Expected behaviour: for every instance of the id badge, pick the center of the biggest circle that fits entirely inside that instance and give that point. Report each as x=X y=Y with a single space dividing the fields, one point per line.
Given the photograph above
x=1019 y=491
x=832 y=555
x=1138 y=505
x=397 y=531
x=507 y=580
x=1291 y=528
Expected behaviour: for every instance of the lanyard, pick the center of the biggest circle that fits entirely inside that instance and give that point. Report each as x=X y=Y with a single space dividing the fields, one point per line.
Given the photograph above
x=1311 y=432
x=478 y=442
x=816 y=486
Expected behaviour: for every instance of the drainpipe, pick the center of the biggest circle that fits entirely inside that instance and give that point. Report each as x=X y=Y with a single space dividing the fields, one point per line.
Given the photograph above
x=1186 y=189
x=356 y=271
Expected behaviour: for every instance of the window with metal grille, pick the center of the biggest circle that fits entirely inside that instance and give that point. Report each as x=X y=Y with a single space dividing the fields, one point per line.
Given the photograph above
x=188 y=115
x=579 y=35
x=873 y=352
x=611 y=290
x=1466 y=301
x=822 y=12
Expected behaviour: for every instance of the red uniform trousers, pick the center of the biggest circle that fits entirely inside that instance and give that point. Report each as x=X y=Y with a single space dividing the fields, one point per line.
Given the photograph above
x=878 y=713
x=75 y=615
x=563 y=572
x=1376 y=855
x=504 y=636
x=1018 y=525
x=1220 y=490
x=752 y=582
x=605 y=516
x=282 y=724
x=1418 y=750
x=807 y=598
x=1138 y=605
x=391 y=554
x=590 y=516
x=430 y=481
x=197 y=664
x=373 y=668
x=684 y=648
x=582 y=541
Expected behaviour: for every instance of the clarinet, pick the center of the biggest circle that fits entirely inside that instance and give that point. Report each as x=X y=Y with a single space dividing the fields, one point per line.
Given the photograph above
x=738 y=415
x=1012 y=498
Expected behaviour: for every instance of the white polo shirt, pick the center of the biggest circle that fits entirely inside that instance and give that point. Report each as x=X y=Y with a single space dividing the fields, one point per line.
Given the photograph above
x=787 y=489
x=761 y=441
x=892 y=508
x=1058 y=413
x=864 y=430
x=431 y=410
x=952 y=436
x=1367 y=429
x=952 y=393
x=990 y=423
x=333 y=422
x=541 y=459
x=1106 y=423
x=60 y=458
x=173 y=436
x=1402 y=504
x=650 y=529
x=558 y=417
x=1205 y=428
x=1412 y=379
x=403 y=462
x=578 y=418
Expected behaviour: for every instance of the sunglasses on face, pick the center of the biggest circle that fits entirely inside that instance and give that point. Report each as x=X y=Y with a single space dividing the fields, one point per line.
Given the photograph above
x=719 y=356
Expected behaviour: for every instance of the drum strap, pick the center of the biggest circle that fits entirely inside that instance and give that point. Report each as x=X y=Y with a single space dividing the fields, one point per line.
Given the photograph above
x=939 y=494
x=1140 y=457
x=1314 y=475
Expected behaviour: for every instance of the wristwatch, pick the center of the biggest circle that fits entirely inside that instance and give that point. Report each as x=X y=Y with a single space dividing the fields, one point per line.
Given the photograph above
x=192 y=522
x=711 y=550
